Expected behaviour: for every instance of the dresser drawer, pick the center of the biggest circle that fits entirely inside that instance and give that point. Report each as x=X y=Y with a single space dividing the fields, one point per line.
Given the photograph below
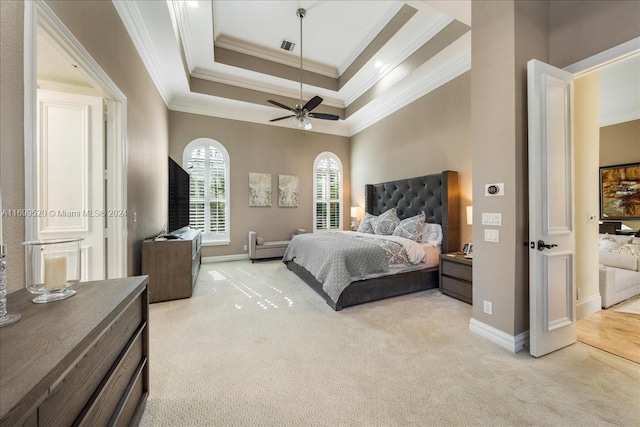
x=459 y=288
x=102 y=409
x=454 y=269
x=71 y=394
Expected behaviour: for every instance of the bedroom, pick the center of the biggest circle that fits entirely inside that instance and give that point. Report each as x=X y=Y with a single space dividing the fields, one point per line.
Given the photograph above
x=503 y=287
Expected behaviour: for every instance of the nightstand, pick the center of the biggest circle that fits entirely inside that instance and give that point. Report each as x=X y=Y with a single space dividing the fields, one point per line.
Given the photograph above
x=456 y=274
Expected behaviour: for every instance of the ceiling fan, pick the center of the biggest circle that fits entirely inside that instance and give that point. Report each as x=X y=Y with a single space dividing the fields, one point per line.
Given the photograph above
x=302 y=113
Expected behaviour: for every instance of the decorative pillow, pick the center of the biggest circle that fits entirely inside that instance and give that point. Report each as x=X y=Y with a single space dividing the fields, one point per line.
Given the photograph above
x=259 y=241
x=366 y=225
x=609 y=244
x=387 y=222
x=411 y=228
x=432 y=234
x=630 y=249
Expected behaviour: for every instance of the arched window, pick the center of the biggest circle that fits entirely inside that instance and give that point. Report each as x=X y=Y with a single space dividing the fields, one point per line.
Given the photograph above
x=327 y=192
x=207 y=162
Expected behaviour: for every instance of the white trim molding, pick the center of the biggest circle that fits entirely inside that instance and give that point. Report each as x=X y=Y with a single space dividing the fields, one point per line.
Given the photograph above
x=512 y=343
x=39 y=14
x=588 y=305
x=603 y=58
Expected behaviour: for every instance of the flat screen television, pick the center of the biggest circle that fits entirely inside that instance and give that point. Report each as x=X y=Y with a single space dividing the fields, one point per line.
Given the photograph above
x=178 y=197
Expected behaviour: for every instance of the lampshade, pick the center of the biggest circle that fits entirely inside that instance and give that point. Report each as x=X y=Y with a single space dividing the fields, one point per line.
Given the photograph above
x=354 y=212
x=470 y=215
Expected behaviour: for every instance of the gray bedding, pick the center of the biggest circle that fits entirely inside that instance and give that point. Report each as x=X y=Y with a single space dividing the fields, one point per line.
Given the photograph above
x=337 y=259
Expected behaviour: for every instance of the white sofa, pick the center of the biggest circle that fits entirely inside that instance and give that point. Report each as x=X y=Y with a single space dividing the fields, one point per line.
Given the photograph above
x=619 y=273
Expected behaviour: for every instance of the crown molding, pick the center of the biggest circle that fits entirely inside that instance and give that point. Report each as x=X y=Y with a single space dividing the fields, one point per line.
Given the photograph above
x=620 y=118
x=133 y=22
x=603 y=58
x=251 y=113
x=179 y=16
x=455 y=67
x=386 y=18
x=273 y=55
x=261 y=87
x=400 y=57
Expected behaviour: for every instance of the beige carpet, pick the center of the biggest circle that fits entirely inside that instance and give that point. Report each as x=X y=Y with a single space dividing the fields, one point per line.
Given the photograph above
x=255 y=346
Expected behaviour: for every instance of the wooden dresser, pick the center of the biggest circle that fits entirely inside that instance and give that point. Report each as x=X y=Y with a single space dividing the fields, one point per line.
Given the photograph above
x=80 y=361
x=172 y=266
x=456 y=277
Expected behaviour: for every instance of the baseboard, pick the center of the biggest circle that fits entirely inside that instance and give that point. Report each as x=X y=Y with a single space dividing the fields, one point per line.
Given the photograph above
x=496 y=336
x=224 y=258
x=589 y=305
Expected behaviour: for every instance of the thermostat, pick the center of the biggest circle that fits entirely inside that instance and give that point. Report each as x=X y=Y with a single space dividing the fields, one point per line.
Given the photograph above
x=494 y=189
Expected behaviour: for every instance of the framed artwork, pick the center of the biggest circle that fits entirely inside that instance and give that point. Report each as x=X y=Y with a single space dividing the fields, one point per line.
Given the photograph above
x=288 y=191
x=620 y=191
x=259 y=189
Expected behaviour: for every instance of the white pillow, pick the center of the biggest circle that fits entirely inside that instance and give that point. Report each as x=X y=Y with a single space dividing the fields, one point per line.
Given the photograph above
x=432 y=234
x=625 y=261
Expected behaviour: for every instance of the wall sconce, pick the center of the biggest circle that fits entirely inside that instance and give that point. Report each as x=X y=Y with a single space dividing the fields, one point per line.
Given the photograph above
x=469 y=215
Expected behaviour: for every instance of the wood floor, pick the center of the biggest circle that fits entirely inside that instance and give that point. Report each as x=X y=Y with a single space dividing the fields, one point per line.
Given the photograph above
x=612 y=331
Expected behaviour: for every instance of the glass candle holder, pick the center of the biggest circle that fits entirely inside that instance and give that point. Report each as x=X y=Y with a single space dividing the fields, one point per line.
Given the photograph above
x=52 y=267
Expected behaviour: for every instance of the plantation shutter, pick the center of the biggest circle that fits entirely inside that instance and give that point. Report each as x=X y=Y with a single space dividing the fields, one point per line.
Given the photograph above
x=328 y=182
x=217 y=192
x=197 y=196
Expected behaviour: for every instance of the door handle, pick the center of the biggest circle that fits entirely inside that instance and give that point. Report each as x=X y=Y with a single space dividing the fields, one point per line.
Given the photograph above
x=542 y=245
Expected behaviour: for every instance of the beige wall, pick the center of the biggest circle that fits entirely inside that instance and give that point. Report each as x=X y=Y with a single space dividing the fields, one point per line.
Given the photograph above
x=506 y=34
x=12 y=136
x=580 y=29
x=586 y=143
x=265 y=149
x=620 y=144
x=98 y=28
x=428 y=136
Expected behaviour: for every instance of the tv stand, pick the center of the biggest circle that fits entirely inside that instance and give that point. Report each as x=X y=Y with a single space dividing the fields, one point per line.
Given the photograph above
x=172 y=265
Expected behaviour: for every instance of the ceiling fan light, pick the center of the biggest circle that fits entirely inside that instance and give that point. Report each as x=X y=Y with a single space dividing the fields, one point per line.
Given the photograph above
x=306 y=123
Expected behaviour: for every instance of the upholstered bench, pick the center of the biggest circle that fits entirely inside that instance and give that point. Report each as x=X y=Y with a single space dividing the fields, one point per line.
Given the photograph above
x=263 y=249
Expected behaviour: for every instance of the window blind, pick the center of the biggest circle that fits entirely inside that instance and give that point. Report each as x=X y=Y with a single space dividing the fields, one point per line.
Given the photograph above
x=328 y=186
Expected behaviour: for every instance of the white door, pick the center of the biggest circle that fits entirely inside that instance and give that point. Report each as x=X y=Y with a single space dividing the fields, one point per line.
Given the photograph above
x=70 y=181
x=552 y=318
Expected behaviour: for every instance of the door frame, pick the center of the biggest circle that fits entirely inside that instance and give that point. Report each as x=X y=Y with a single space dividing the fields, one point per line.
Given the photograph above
x=38 y=14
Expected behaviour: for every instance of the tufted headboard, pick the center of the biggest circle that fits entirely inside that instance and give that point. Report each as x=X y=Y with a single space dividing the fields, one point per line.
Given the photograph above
x=436 y=195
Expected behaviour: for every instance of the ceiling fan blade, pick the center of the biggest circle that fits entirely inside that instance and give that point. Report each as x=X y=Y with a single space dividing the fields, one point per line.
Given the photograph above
x=312 y=103
x=282 y=118
x=324 y=116
x=271 y=101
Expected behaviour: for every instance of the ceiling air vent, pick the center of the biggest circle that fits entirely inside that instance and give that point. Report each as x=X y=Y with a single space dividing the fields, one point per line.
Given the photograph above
x=287 y=45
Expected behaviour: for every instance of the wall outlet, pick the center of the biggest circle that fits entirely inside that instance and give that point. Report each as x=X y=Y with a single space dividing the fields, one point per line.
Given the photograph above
x=592 y=217
x=488 y=308
x=245 y=247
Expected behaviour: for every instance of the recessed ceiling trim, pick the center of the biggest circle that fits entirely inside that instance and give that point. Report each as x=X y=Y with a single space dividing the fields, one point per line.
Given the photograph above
x=435 y=45
x=267 y=89
x=400 y=57
x=264 y=66
x=620 y=118
x=370 y=37
x=448 y=68
x=133 y=22
x=221 y=90
x=178 y=14
x=273 y=55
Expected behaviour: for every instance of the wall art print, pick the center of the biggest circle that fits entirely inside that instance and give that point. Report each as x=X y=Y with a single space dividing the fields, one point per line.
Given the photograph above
x=288 y=191
x=620 y=191
x=259 y=189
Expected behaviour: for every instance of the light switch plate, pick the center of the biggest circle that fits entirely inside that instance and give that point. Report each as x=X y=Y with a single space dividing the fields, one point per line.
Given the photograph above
x=491 y=235
x=491 y=218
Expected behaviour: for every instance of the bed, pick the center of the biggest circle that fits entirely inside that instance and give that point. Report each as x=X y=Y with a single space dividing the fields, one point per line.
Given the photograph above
x=437 y=196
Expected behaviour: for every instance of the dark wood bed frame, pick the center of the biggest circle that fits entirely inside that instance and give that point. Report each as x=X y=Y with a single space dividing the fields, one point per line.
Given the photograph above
x=437 y=196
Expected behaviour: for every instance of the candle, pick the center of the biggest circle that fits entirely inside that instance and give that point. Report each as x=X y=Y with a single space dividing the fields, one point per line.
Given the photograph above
x=55 y=271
